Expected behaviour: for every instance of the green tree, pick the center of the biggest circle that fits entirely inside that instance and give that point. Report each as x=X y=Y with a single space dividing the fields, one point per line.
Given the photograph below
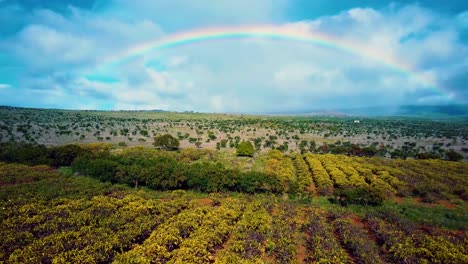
x=65 y=155
x=452 y=155
x=166 y=142
x=245 y=148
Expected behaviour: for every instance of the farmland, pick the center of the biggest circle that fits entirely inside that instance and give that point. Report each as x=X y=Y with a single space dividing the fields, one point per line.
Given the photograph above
x=116 y=200
x=53 y=216
x=190 y=208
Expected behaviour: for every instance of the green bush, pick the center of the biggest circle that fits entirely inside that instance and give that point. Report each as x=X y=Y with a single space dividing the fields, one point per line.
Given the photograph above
x=358 y=195
x=25 y=153
x=452 y=155
x=245 y=148
x=166 y=142
x=65 y=155
x=100 y=168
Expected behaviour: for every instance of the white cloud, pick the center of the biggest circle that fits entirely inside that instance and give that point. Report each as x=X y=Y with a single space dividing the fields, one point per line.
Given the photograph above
x=51 y=40
x=239 y=75
x=4 y=86
x=365 y=16
x=177 y=61
x=41 y=45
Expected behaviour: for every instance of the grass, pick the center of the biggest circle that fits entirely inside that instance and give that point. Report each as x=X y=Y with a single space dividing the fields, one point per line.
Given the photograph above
x=67 y=171
x=439 y=216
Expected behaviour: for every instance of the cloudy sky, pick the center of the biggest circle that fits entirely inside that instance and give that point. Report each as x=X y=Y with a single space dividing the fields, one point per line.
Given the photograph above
x=77 y=54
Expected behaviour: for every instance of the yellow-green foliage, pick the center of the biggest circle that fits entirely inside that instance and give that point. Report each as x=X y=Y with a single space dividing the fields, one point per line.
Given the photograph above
x=375 y=182
x=11 y=174
x=282 y=167
x=336 y=175
x=322 y=246
x=212 y=233
x=282 y=245
x=247 y=242
x=168 y=236
x=95 y=228
x=286 y=170
x=342 y=162
x=413 y=246
x=275 y=154
x=192 y=154
x=353 y=175
x=436 y=178
x=356 y=239
x=303 y=176
x=47 y=217
x=97 y=148
x=321 y=178
x=140 y=152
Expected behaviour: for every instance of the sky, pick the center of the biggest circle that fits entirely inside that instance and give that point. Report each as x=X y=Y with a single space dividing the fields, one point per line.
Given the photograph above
x=96 y=54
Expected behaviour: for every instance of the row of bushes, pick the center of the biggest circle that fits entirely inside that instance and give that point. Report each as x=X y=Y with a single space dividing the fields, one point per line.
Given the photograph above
x=166 y=173
x=158 y=170
x=34 y=154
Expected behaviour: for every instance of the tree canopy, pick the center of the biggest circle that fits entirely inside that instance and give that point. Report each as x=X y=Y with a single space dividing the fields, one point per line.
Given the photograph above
x=245 y=148
x=166 y=142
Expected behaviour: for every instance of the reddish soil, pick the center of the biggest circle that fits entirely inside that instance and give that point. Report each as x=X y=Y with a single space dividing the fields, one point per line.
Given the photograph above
x=443 y=203
x=274 y=211
x=204 y=201
x=302 y=237
x=6 y=184
x=399 y=200
x=301 y=250
x=312 y=189
x=357 y=220
x=360 y=222
x=268 y=258
x=418 y=201
x=446 y=204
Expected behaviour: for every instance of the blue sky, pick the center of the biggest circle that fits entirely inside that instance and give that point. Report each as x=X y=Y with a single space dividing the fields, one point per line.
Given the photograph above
x=51 y=54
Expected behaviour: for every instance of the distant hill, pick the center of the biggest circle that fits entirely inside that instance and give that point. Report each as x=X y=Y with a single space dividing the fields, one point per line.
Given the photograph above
x=411 y=110
x=404 y=110
x=454 y=110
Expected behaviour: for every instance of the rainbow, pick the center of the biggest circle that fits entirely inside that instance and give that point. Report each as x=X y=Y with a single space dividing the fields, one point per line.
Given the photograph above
x=286 y=32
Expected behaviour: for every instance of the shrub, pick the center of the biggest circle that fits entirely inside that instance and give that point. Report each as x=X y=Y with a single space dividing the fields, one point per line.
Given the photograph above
x=101 y=169
x=26 y=153
x=358 y=195
x=166 y=142
x=452 y=155
x=245 y=148
x=65 y=155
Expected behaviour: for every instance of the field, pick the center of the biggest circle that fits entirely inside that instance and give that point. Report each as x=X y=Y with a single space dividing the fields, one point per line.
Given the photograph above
x=312 y=210
x=396 y=137
x=118 y=200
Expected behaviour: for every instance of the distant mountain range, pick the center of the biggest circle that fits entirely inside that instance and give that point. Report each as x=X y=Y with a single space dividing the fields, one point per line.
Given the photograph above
x=459 y=110
x=410 y=110
x=431 y=111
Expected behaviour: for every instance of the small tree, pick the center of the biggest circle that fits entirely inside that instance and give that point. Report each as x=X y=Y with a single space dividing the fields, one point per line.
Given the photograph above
x=452 y=155
x=166 y=142
x=245 y=148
